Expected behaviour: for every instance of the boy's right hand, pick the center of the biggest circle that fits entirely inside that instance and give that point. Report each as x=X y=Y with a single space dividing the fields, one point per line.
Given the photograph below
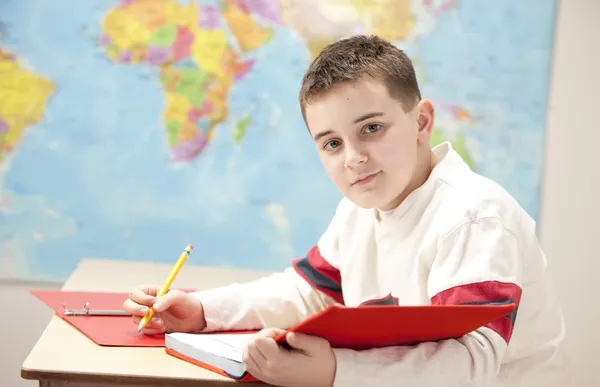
x=176 y=311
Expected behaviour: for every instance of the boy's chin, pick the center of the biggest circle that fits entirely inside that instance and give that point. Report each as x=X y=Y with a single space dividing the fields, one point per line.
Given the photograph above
x=368 y=200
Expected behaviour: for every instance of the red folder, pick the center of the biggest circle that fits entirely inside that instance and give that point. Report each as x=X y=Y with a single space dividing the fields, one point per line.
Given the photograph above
x=376 y=326
x=117 y=331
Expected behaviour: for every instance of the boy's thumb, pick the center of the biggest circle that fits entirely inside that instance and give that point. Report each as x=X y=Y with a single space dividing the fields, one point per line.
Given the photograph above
x=165 y=302
x=306 y=343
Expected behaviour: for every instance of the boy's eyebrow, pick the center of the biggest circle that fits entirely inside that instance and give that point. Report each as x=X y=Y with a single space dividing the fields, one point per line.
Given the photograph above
x=356 y=121
x=322 y=134
x=367 y=116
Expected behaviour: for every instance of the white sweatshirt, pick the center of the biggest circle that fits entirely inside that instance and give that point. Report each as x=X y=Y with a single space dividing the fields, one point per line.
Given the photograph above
x=459 y=238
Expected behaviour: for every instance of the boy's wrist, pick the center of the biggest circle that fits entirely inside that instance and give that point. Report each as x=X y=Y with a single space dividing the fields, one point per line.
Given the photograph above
x=333 y=371
x=209 y=319
x=343 y=374
x=200 y=322
x=202 y=318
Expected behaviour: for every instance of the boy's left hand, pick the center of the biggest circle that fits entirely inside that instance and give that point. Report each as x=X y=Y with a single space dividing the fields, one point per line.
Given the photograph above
x=310 y=362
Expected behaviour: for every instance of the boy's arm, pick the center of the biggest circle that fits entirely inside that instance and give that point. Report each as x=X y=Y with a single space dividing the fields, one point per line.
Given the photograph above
x=479 y=262
x=283 y=299
x=279 y=300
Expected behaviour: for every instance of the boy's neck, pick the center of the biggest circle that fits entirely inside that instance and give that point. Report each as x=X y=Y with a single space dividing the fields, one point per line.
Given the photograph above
x=427 y=161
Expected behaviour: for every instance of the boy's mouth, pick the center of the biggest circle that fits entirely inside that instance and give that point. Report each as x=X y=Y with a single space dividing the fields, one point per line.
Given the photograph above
x=366 y=178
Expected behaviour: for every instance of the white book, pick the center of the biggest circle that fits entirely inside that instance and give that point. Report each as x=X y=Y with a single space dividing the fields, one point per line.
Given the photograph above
x=221 y=350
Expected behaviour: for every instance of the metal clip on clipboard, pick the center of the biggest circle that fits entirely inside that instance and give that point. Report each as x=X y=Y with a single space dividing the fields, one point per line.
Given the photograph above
x=86 y=311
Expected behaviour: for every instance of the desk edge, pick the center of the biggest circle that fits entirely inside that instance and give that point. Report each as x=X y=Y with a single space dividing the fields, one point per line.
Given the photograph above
x=125 y=380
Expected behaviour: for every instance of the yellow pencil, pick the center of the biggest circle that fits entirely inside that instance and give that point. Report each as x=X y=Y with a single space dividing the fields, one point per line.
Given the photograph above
x=165 y=288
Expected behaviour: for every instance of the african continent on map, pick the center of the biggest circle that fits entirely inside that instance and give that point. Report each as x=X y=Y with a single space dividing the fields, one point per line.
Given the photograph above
x=199 y=64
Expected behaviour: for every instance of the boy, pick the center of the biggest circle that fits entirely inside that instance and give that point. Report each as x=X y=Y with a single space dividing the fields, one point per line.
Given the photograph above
x=416 y=227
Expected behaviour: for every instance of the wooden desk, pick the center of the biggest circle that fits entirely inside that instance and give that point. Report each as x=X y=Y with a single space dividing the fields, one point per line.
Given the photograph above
x=65 y=357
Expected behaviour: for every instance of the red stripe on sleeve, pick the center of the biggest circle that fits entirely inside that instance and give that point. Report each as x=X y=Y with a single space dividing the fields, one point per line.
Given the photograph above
x=322 y=266
x=486 y=292
x=320 y=274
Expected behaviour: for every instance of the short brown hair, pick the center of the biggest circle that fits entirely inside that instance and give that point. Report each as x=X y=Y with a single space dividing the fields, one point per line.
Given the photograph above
x=352 y=58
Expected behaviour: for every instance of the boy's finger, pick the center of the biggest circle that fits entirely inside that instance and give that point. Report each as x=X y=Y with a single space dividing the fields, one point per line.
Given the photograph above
x=267 y=348
x=152 y=331
x=249 y=360
x=254 y=351
x=141 y=297
x=151 y=290
x=156 y=322
x=134 y=308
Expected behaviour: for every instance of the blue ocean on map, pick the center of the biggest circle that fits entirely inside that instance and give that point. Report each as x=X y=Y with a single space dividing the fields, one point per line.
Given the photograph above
x=95 y=177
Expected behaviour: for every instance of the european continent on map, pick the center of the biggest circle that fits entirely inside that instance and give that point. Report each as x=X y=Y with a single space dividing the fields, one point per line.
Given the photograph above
x=24 y=96
x=321 y=22
x=198 y=64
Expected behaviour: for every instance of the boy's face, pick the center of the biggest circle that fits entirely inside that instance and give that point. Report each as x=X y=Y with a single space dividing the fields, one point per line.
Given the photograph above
x=371 y=149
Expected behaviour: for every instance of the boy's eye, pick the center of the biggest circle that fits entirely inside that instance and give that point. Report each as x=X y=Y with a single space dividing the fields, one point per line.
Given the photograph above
x=372 y=128
x=332 y=144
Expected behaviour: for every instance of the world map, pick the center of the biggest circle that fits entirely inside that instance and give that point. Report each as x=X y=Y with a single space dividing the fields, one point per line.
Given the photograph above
x=131 y=128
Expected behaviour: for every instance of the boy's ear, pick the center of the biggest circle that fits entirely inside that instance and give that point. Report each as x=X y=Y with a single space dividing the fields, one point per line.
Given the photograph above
x=425 y=119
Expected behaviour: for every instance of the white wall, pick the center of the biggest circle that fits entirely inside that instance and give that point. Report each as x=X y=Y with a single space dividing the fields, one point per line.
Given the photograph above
x=569 y=216
x=19 y=330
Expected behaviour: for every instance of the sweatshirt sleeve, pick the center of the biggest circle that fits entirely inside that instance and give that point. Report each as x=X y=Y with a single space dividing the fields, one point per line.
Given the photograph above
x=282 y=299
x=478 y=262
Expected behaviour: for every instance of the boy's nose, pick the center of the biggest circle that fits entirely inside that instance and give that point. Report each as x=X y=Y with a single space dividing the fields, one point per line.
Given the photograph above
x=355 y=157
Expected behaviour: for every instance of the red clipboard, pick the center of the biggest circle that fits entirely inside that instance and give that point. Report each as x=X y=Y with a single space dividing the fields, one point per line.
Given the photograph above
x=376 y=326
x=116 y=331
